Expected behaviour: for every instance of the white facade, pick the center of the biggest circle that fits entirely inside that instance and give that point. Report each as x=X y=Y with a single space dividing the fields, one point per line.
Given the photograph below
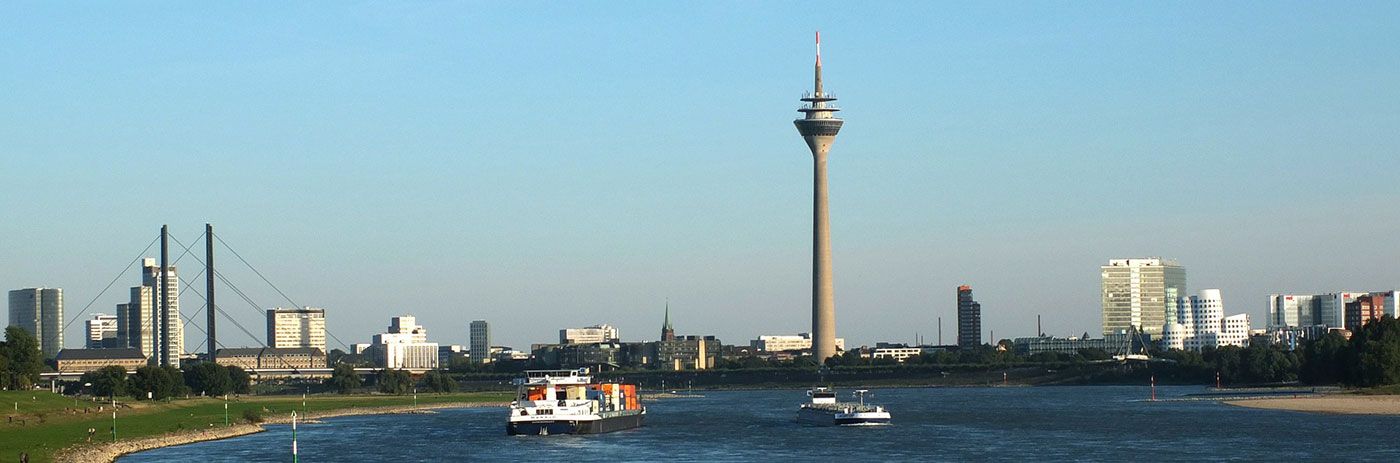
x=783 y=342
x=897 y=353
x=1201 y=323
x=588 y=335
x=406 y=345
x=304 y=327
x=100 y=328
x=144 y=313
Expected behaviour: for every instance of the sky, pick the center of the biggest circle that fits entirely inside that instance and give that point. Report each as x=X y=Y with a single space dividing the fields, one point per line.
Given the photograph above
x=551 y=165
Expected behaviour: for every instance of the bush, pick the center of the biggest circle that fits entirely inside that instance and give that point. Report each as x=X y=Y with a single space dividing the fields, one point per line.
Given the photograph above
x=252 y=416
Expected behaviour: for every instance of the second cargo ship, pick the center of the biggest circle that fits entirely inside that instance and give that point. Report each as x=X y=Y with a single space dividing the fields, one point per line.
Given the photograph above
x=569 y=402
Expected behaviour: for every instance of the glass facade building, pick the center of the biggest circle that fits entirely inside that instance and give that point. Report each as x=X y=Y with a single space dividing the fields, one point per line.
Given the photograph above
x=1141 y=294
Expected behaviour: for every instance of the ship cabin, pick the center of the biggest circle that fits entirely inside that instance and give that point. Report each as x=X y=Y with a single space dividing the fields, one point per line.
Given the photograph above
x=553 y=389
x=822 y=395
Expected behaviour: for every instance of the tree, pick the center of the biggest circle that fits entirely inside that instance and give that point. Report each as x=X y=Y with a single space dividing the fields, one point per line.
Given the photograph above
x=156 y=381
x=1325 y=359
x=343 y=379
x=436 y=381
x=208 y=378
x=24 y=359
x=394 y=381
x=239 y=380
x=1375 y=353
x=107 y=381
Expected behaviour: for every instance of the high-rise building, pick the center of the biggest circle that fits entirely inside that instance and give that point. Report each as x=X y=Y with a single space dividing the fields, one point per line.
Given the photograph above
x=1200 y=322
x=479 y=344
x=969 y=318
x=146 y=303
x=304 y=327
x=1141 y=294
x=136 y=327
x=40 y=312
x=1294 y=318
x=101 y=331
x=588 y=335
x=818 y=127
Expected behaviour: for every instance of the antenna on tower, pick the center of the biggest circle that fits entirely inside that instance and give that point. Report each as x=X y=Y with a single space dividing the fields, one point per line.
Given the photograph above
x=819 y=48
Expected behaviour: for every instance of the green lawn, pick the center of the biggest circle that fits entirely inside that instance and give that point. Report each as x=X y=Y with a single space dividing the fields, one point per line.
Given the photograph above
x=46 y=423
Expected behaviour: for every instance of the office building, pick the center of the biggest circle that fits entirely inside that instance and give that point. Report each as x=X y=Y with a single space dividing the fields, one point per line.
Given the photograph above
x=682 y=353
x=1201 y=323
x=479 y=342
x=304 y=327
x=40 y=312
x=405 y=346
x=969 y=318
x=1117 y=344
x=588 y=335
x=101 y=331
x=1141 y=294
x=789 y=343
x=818 y=127
x=1364 y=309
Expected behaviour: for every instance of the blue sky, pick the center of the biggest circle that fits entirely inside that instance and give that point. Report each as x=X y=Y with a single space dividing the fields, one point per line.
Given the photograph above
x=547 y=165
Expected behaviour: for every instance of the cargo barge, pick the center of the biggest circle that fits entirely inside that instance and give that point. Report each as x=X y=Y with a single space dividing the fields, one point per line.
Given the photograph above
x=569 y=402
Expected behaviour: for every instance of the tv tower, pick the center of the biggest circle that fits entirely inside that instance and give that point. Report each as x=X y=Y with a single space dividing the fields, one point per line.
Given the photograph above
x=818 y=127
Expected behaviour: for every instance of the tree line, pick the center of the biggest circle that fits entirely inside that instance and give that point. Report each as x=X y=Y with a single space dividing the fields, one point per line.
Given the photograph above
x=158 y=383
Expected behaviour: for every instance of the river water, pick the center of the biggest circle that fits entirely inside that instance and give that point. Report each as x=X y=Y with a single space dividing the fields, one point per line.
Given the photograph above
x=1110 y=423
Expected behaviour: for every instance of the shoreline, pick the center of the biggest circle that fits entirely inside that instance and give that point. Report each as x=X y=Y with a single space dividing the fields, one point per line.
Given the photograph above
x=1331 y=404
x=110 y=451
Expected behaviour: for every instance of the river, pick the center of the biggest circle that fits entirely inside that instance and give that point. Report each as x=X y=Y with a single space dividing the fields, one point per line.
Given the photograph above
x=1094 y=423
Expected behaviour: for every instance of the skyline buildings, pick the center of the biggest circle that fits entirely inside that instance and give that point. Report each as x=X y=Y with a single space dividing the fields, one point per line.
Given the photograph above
x=101 y=331
x=818 y=127
x=138 y=320
x=1199 y=322
x=40 y=312
x=969 y=319
x=1140 y=293
x=292 y=327
x=479 y=345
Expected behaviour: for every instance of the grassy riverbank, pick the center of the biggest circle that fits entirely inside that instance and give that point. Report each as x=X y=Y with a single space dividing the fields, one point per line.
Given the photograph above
x=41 y=423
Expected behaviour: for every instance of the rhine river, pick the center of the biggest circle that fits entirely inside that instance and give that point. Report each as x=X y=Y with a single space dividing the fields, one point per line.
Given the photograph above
x=1109 y=423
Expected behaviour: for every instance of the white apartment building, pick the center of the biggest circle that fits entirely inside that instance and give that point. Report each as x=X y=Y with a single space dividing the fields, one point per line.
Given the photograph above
x=783 y=342
x=290 y=327
x=1201 y=323
x=406 y=345
x=588 y=335
x=101 y=331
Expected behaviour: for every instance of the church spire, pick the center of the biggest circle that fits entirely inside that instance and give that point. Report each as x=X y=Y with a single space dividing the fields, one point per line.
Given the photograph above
x=667 y=333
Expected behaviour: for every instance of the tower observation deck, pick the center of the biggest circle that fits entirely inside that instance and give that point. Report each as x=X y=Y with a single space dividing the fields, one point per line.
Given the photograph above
x=818 y=126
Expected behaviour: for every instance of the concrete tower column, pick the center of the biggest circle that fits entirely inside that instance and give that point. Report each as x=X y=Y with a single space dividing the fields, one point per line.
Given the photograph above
x=818 y=127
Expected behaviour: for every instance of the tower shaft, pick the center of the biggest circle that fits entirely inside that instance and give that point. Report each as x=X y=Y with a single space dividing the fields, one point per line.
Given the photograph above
x=818 y=127
x=823 y=290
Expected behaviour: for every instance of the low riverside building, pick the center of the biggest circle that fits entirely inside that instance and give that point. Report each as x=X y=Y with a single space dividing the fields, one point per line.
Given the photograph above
x=784 y=343
x=250 y=358
x=85 y=360
x=588 y=335
x=1111 y=343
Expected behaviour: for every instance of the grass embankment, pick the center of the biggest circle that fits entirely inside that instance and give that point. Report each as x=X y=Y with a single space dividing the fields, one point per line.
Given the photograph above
x=44 y=423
